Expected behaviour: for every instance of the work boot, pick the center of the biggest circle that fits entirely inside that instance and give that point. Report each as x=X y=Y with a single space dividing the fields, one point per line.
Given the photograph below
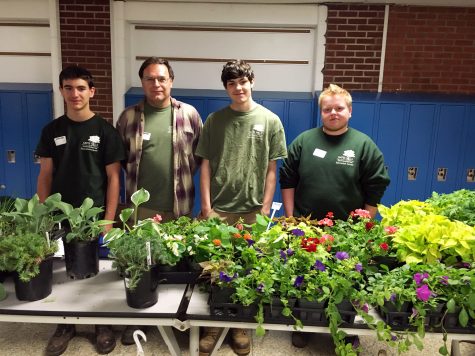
x=58 y=343
x=208 y=340
x=240 y=341
x=299 y=339
x=128 y=334
x=105 y=339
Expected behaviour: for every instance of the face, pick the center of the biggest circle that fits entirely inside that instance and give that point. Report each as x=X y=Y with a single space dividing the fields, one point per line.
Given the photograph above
x=335 y=114
x=157 y=85
x=76 y=94
x=239 y=90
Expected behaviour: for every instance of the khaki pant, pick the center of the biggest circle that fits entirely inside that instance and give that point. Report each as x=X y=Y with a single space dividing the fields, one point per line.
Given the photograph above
x=232 y=218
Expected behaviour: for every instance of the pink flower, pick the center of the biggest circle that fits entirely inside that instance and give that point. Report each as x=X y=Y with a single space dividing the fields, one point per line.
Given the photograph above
x=362 y=213
x=326 y=222
x=384 y=246
x=157 y=218
x=390 y=230
x=424 y=293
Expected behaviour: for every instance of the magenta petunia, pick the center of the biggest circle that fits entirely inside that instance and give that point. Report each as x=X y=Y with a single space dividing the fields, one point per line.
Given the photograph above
x=423 y=293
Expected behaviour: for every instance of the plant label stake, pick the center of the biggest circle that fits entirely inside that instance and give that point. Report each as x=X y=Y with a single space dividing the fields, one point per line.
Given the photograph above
x=149 y=253
x=275 y=206
x=47 y=238
x=136 y=335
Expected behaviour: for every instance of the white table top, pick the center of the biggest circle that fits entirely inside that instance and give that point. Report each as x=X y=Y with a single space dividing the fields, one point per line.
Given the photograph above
x=99 y=296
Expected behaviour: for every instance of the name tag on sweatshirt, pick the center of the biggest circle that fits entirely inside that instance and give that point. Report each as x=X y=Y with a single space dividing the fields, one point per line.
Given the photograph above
x=319 y=153
x=61 y=140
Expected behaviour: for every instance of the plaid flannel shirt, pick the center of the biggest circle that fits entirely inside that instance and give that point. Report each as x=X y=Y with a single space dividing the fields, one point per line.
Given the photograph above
x=187 y=126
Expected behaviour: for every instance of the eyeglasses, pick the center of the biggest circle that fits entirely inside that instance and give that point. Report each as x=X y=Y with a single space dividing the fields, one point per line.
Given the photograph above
x=151 y=80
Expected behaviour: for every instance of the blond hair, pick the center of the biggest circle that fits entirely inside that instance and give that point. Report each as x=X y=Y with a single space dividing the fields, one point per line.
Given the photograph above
x=332 y=90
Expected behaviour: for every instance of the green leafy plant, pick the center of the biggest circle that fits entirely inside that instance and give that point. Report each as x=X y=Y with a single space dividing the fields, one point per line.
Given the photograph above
x=128 y=247
x=84 y=222
x=458 y=205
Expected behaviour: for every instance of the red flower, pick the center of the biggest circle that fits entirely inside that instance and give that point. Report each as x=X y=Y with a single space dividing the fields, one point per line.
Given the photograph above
x=384 y=246
x=157 y=218
x=217 y=242
x=330 y=215
x=369 y=225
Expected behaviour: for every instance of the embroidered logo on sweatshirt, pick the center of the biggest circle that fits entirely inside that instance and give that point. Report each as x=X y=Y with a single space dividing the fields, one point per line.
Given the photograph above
x=347 y=158
x=92 y=144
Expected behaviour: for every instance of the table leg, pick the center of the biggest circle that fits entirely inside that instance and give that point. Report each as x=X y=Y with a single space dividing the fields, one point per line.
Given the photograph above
x=455 y=348
x=169 y=338
x=194 y=340
x=223 y=334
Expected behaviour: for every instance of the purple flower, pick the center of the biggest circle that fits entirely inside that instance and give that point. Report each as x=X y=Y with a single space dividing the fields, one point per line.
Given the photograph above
x=260 y=288
x=423 y=293
x=365 y=308
x=465 y=265
x=283 y=256
x=319 y=265
x=444 y=280
x=393 y=337
x=290 y=252
x=342 y=255
x=298 y=281
x=392 y=298
x=419 y=278
x=250 y=242
x=359 y=267
x=224 y=277
x=298 y=232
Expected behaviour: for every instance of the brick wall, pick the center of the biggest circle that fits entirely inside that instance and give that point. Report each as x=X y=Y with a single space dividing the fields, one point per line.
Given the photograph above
x=86 y=41
x=430 y=49
x=353 y=50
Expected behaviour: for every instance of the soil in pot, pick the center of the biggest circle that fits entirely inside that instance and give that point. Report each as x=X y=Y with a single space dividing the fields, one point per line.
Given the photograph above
x=145 y=293
x=38 y=287
x=82 y=258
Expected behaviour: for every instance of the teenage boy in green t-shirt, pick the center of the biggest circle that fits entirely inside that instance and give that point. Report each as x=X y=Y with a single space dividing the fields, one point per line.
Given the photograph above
x=80 y=156
x=240 y=146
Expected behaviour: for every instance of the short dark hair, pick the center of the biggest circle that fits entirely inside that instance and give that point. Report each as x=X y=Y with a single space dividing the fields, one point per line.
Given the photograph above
x=156 y=60
x=236 y=69
x=76 y=72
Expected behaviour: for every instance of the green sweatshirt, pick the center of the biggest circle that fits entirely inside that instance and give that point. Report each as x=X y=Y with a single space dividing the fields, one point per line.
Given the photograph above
x=333 y=173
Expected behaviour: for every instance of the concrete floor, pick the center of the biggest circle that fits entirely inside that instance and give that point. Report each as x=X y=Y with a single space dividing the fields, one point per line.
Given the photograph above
x=30 y=339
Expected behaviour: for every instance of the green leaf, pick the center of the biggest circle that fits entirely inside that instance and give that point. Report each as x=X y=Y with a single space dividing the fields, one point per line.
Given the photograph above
x=260 y=331
x=451 y=306
x=443 y=350
x=261 y=220
x=125 y=214
x=140 y=196
x=471 y=301
x=463 y=317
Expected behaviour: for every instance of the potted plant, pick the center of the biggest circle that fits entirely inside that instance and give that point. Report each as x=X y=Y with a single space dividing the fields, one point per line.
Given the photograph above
x=137 y=250
x=81 y=249
x=28 y=247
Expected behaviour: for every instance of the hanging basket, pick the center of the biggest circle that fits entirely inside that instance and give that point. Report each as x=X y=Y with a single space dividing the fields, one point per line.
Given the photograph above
x=82 y=258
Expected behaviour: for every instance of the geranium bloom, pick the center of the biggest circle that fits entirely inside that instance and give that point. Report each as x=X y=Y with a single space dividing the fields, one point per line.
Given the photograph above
x=217 y=242
x=326 y=222
x=361 y=213
x=298 y=281
x=369 y=225
x=424 y=293
x=419 y=278
x=384 y=246
x=298 y=232
x=359 y=267
x=157 y=218
x=330 y=215
x=319 y=265
x=390 y=230
x=342 y=255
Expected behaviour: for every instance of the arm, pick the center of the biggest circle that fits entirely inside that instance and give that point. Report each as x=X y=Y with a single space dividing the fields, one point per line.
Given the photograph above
x=205 y=180
x=373 y=210
x=113 y=186
x=45 y=178
x=269 y=187
x=288 y=199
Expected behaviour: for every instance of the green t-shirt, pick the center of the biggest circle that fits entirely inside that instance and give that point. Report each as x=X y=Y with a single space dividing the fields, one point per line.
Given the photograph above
x=156 y=163
x=80 y=152
x=333 y=173
x=239 y=146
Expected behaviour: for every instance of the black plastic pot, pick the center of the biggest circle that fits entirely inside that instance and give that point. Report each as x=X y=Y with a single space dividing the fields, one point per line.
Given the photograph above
x=145 y=293
x=38 y=287
x=221 y=295
x=82 y=258
x=4 y=275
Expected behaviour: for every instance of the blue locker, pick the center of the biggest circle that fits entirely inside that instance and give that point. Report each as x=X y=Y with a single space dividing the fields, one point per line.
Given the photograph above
x=299 y=118
x=362 y=118
x=466 y=173
x=447 y=154
x=390 y=139
x=420 y=136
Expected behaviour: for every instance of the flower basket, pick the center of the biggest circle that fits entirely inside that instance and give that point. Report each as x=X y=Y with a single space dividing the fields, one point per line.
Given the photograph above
x=38 y=287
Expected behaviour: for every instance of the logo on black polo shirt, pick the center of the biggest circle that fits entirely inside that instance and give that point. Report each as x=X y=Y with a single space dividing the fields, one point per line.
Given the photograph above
x=92 y=144
x=347 y=158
